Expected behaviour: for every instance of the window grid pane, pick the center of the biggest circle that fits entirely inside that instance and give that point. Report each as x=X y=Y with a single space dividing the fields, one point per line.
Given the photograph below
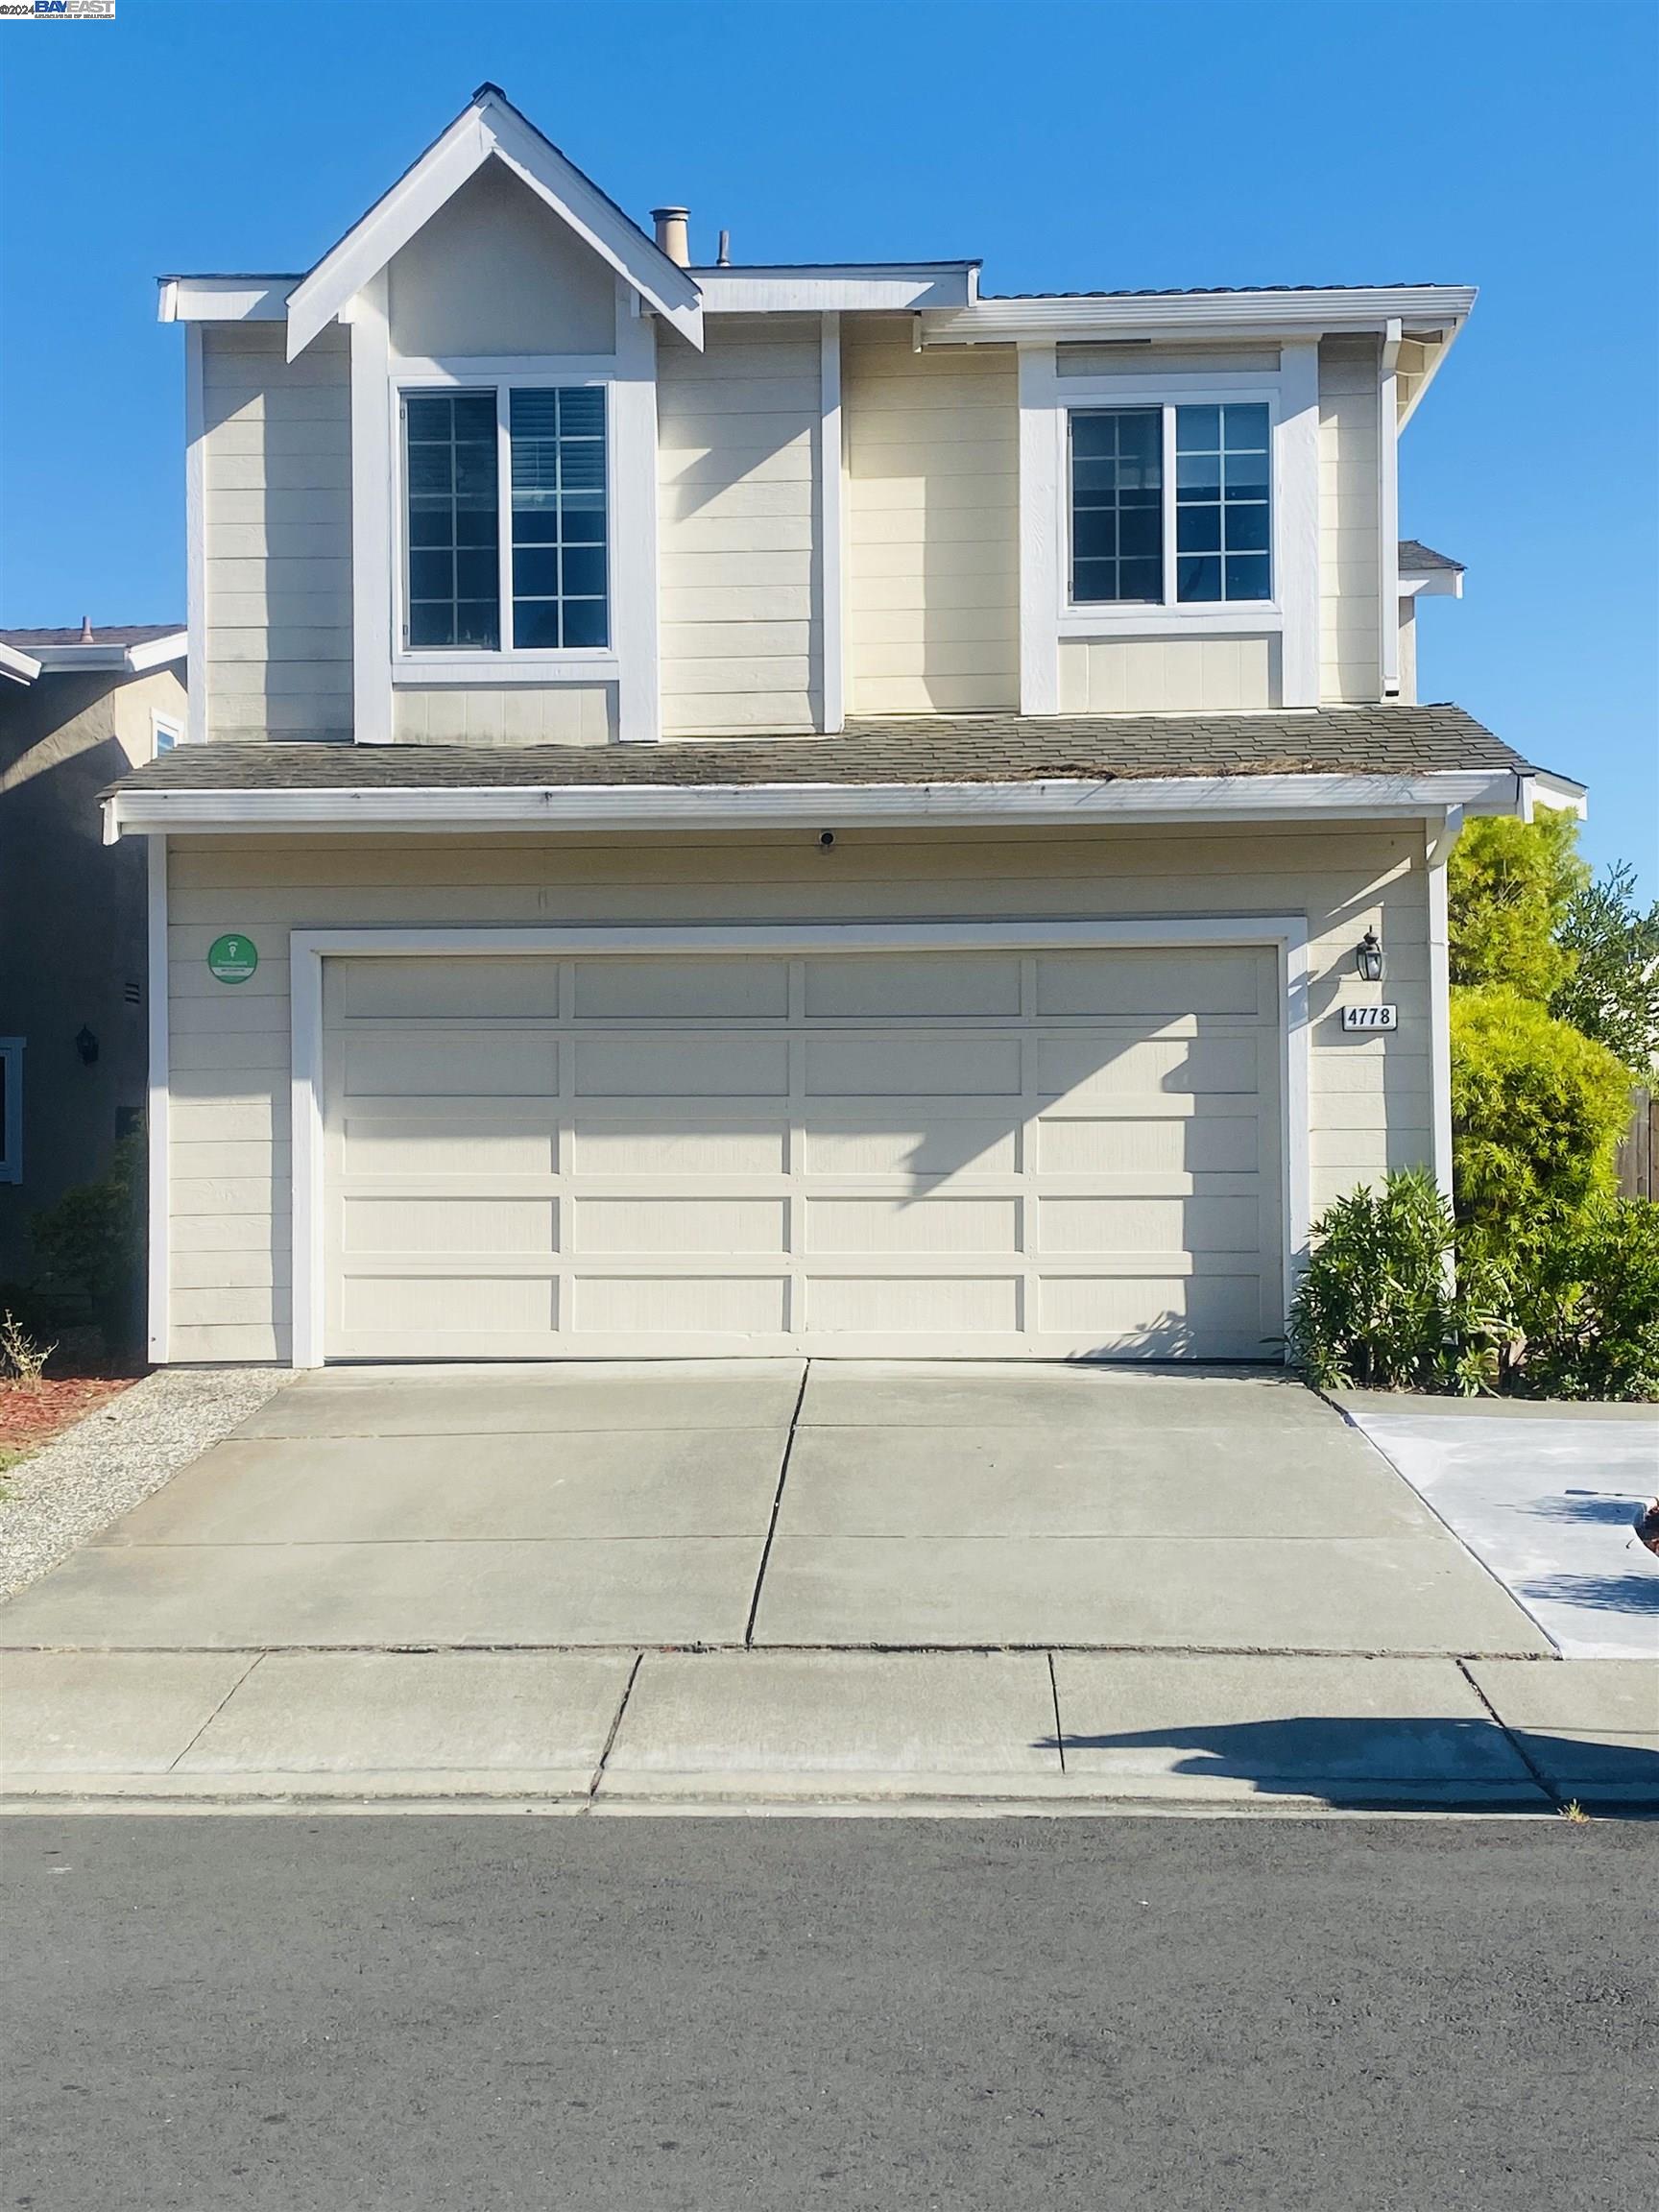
x=450 y=471
x=1222 y=529
x=1117 y=506
x=560 y=539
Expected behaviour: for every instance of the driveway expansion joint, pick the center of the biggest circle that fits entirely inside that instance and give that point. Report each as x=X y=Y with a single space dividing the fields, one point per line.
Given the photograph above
x=777 y=1504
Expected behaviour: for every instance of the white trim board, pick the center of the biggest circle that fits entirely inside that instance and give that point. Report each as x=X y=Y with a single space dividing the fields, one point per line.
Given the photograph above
x=158 y=984
x=308 y=949
x=1058 y=802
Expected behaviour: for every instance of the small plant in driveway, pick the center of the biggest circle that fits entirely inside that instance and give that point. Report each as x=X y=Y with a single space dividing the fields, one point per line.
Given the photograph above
x=1381 y=1306
x=22 y=1360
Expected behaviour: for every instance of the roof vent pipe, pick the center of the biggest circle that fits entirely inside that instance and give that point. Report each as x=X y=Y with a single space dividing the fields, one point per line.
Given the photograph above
x=673 y=233
x=723 y=260
x=86 y=629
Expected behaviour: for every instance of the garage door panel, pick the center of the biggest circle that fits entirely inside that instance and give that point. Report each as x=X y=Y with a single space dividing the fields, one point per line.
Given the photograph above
x=448 y=1226
x=910 y=1062
x=1218 y=1144
x=680 y=1304
x=682 y=1066
x=904 y=1307
x=1200 y=1224
x=430 y=1145
x=668 y=1147
x=936 y=1223
x=1163 y=1316
x=390 y=1307
x=1175 y=983
x=884 y=1141
x=1091 y=1067
x=498 y=986
x=668 y=1225
x=451 y=1064
x=616 y=990
x=929 y=987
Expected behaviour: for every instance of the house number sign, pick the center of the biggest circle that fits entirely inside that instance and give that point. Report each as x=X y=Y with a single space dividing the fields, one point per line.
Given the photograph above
x=231 y=959
x=1370 y=1016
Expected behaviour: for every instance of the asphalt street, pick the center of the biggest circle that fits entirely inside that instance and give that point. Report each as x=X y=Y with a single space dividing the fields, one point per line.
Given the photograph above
x=353 y=2013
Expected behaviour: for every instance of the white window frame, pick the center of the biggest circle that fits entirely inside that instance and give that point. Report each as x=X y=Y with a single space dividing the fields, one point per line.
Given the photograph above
x=482 y=663
x=1047 y=613
x=11 y=1133
x=168 y=725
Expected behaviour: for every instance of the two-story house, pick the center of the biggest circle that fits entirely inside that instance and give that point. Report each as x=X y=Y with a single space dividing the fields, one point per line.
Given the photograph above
x=784 y=809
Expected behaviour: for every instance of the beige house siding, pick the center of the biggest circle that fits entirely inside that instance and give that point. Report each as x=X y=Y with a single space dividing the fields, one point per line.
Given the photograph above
x=739 y=544
x=1350 y=545
x=230 y=1228
x=276 y=488
x=504 y=714
x=931 y=443
x=1168 y=675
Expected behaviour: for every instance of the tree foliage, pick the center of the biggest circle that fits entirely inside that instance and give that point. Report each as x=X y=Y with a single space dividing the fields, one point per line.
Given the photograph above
x=1510 y=885
x=1612 y=991
x=1537 y=1111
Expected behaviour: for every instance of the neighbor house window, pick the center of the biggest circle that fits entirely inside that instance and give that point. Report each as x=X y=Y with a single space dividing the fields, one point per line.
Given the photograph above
x=164 y=733
x=10 y=1109
x=1195 y=480
x=540 y=585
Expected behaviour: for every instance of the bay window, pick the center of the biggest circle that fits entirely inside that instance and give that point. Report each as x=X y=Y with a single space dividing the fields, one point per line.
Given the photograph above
x=506 y=518
x=1171 y=505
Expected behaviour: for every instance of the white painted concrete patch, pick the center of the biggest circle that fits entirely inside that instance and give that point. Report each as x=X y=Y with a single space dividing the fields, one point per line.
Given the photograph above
x=1543 y=1497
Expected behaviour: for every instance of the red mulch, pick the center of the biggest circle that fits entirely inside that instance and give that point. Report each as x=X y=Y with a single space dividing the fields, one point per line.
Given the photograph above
x=31 y=1417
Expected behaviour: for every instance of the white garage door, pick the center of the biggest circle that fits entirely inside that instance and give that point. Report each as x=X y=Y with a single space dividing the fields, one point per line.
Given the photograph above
x=1054 y=1155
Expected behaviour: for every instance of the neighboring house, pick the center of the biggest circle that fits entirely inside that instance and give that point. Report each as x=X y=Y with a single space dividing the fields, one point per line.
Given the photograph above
x=77 y=707
x=777 y=808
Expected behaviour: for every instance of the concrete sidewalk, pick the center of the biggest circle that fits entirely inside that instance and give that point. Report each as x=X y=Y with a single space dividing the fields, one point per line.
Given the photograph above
x=625 y=1731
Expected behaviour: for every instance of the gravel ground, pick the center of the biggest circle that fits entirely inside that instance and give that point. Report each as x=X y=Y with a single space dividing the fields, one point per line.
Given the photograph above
x=102 y=1467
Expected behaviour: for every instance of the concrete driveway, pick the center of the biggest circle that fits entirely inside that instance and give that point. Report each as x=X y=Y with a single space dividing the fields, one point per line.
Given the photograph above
x=763 y=1503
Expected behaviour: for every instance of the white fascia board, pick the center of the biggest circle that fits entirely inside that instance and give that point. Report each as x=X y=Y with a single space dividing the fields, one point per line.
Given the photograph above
x=1560 y=792
x=1196 y=315
x=489 y=128
x=129 y=659
x=223 y=299
x=22 y=667
x=874 y=289
x=1431 y=584
x=1052 y=802
x=157 y=652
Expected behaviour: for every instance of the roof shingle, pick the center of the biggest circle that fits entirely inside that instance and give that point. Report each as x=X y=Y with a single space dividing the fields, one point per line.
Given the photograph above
x=934 y=749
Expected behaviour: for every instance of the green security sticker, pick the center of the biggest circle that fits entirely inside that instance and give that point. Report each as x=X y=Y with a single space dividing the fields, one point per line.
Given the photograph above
x=231 y=959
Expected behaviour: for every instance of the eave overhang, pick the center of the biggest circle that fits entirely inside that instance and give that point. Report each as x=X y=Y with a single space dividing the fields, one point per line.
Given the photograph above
x=1055 y=803
x=1265 y=314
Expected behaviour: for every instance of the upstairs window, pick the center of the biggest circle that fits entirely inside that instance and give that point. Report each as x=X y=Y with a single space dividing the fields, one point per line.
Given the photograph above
x=533 y=577
x=1171 y=505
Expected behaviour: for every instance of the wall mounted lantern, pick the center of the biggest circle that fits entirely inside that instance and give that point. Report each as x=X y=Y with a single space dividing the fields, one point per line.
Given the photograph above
x=1368 y=957
x=87 y=1044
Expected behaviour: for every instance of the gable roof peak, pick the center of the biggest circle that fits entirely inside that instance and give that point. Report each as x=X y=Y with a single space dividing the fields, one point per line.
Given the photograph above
x=490 y=127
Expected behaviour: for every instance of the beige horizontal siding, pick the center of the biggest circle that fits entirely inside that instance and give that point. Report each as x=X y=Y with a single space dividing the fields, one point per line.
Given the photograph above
x=1350 y=551
x=932 y=538
x=504 y=714
x=738 y=528
x=276 y=534
x=229 y=1144
x=1168 y=675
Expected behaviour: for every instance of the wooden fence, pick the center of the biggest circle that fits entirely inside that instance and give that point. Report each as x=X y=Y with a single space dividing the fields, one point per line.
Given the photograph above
x=1638 y=1146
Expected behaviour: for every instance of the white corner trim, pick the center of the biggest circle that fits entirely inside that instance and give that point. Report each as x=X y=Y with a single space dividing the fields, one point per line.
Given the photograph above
x=156 y=1120
x=1440 y=849
x=308 y=949
x=634 y=618
x=832 y=519
x=490 y=127
x=375 y=533
x=1042 y=529
x=1388 y=509
x=1295 y=526
x=195 y=540
x=642 y=809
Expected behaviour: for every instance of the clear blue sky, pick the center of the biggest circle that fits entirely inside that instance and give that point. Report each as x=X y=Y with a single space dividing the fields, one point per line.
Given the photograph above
x=1509 y=143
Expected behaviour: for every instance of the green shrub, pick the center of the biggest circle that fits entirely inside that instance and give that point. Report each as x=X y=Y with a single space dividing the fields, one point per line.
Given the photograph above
x=1537 y=1111
x=1378 y=1307
x=1510 y=884
x=1586 y=1297
x=90 y=1245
